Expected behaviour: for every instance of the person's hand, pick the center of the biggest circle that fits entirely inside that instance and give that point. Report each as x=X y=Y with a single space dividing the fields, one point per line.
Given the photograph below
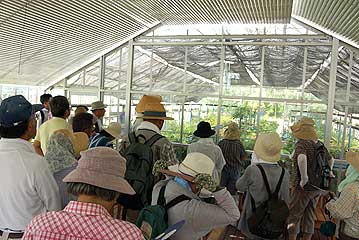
x=303 y=182
x=331 y=174
x=329 y=196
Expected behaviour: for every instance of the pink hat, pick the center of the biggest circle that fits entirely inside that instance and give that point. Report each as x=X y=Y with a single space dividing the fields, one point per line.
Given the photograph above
x=102 y=167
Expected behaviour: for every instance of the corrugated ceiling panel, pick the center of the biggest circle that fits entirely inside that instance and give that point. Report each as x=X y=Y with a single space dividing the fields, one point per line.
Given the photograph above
x=340 y=16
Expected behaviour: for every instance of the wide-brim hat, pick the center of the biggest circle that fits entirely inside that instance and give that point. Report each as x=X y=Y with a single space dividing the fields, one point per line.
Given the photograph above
x=80 y=140
x=268 y=146
x=193 y=164
x=204 y=130
x=353 y=159
x=114 y=129
x=232 y=132
x=101 y=167
x=97 y=105
x=155 y=111
x=304 y=129
x=146 y=99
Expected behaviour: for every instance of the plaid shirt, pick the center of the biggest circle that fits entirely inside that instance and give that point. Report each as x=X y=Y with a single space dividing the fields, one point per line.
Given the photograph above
x=346 y=208
x=80 y=221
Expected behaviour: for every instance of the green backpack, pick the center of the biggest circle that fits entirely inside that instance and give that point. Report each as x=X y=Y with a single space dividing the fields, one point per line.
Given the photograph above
x=153 y=220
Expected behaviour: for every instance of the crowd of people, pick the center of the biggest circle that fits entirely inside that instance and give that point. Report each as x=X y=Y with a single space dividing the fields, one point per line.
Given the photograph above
x=62 y=178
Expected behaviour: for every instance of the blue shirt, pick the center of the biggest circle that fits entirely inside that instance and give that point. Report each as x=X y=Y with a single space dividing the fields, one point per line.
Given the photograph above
x=99 y=140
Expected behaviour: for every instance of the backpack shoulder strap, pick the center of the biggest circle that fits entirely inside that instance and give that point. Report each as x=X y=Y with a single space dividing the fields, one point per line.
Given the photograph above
x=161 y=196
x=132 y=137
x=42 y=116
x=176 y=200
x=264 y=176
x=275 y=194
x=153 y=139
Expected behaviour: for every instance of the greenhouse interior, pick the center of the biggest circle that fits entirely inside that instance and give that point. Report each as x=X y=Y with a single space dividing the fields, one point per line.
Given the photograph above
x=261 y=64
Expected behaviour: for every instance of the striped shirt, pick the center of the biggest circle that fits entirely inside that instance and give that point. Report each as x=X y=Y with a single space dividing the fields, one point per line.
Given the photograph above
x=233 y=152
x=346 y=208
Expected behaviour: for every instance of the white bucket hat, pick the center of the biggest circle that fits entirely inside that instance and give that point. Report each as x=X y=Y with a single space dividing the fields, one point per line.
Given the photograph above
x=114 y=129
x=268 y=146
x=193 y=164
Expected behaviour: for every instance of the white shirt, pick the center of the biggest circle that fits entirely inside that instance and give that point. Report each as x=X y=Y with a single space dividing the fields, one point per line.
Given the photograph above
x=150 y=126
x=27 y=186
x=207 y=147
x=39 y=117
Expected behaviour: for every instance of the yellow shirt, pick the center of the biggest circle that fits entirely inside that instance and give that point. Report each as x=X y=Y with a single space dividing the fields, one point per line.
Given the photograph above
x=48 y=128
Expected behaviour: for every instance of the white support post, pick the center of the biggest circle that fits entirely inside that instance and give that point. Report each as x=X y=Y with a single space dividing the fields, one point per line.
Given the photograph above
x=184 y=91
x=129 y=85
x=119 y=85
x=220 y=91
x=260 y=91
x=347 y=98
x=304 y=78
x=101 y=94
x=331 y=92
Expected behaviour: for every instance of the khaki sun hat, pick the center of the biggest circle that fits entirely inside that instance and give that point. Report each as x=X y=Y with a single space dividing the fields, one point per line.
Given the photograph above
x=114 y=129
x=268 y=146
x=193 y=164
x=79 y=140
x=232 y=132
x=101 y=167
x=155 y=111
x=97 y=105
x=353 y=159
x=304 y=129
x=146 y=99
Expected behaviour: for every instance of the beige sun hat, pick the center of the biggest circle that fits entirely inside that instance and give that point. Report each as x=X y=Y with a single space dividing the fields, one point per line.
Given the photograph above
x=353 y=159
x=193 y=164
x=232 y=132
x=155 y=111
x=146 y=99
x=97 y=105
x=101 y=167
x=79 y=140
x=268 y=146
x=304 y=129
x=114 y=129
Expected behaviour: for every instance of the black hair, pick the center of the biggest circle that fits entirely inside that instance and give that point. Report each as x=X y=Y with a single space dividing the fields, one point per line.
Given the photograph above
x=15 y=131
x=82 y=121
x=59 y=105
x=77 y=189
x=83 y=107
x=45 y=97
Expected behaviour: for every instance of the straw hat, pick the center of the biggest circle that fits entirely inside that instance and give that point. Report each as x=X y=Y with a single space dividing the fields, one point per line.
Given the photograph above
x=97 y=105
x=232 y=132
x=101 y=167
x=204 y=130
x=155 y=111
x=146 y=99
x=81 y=109
x=268 y=146
x=304 y=129
x=114 y=129
x=79 y=140
x=193 y=164
x=353 y=159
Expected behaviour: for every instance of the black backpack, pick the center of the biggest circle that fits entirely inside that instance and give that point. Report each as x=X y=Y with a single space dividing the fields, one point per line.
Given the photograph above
x=319 y=170
x=139 y=166
x=269 y=220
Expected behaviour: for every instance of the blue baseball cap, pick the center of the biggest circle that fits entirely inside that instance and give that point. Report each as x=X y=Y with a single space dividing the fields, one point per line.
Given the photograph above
x=14 y=110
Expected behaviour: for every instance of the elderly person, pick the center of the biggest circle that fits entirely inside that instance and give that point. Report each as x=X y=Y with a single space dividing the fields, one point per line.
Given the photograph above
x=97 y=181
x=234 y=154
x=304 y=195
x=83 y=122
x=346 y=207
x=98 y=110
x=206 y=146
x=192 y=176
x=140 y=108
x=62 y=150
x=105 y=137
x=266 y=154
x=27 y=187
